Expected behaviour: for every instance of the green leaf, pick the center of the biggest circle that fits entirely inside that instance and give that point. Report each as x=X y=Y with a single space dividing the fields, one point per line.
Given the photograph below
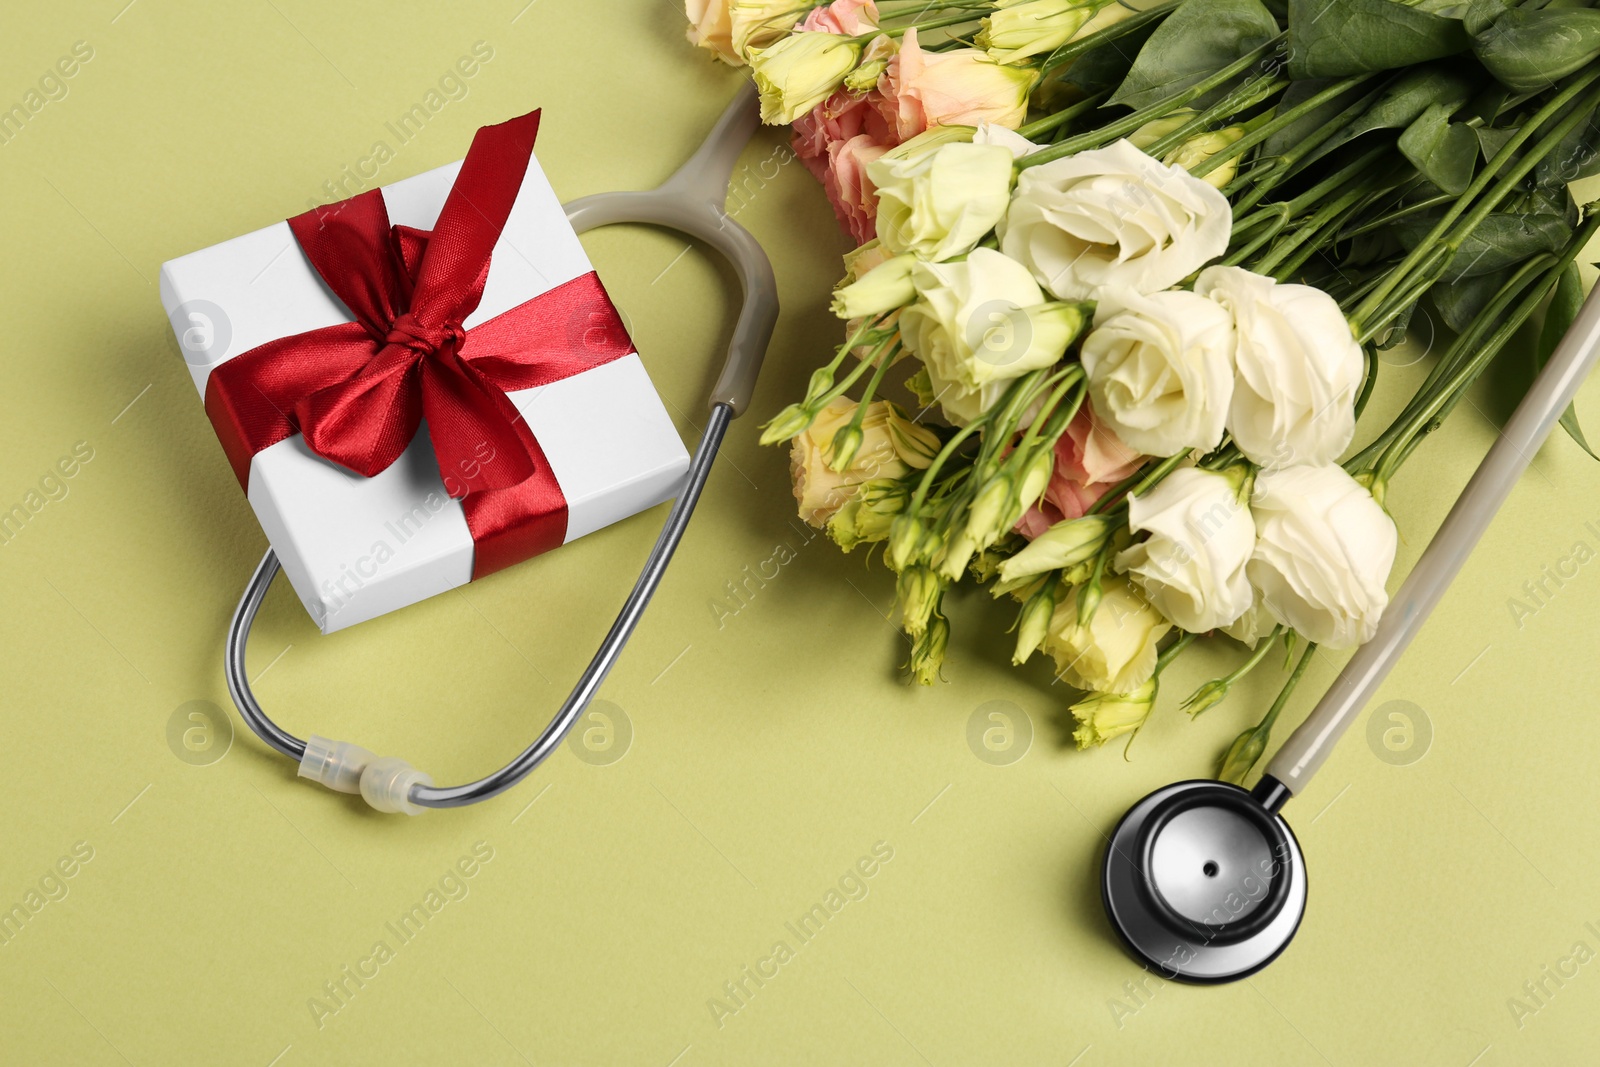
x=1194 y=42
x=1333 y=38
x=1504 y=238
x=1104 y=66
x=1576 y=156
x=1405 y=98
x=1493 y=138
x=1461 y=301
x=1558 y=318
x=1445 y=152
x=1532 y=50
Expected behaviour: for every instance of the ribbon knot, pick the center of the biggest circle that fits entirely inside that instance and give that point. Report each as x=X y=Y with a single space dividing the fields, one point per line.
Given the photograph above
x=359 y=391
x=425 y=339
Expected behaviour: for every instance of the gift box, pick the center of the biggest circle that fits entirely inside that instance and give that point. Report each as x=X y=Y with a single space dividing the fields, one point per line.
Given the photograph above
x=423 y=384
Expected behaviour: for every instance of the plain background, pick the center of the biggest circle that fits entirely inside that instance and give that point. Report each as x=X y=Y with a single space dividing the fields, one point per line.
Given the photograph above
x=768 y=749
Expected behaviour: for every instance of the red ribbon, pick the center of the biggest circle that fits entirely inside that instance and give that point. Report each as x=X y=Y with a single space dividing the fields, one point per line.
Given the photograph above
x=358 y=391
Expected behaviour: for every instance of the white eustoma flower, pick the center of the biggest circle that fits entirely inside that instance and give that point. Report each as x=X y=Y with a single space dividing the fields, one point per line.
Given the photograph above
x=978 y=324
x=1113 y=216
x=1160 y=369
x=940 y=204
x=1192 y=566
x=1324 y=548
x=1299 y=368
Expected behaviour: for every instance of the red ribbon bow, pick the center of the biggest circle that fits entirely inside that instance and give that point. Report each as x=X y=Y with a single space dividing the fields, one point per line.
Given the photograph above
x=358 y=391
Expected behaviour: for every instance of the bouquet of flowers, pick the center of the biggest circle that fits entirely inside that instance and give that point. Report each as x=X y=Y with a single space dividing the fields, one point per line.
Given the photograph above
x=1134 y=266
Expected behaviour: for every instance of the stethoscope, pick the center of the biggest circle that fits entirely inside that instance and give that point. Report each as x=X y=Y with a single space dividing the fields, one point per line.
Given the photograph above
x=1202 y=880
x=692 y=203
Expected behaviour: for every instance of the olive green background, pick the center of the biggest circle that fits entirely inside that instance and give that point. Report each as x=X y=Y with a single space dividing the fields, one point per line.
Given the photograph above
x=771 y=747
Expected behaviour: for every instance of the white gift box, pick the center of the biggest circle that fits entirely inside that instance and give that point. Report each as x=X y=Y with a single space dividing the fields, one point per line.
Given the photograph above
x=354 y=547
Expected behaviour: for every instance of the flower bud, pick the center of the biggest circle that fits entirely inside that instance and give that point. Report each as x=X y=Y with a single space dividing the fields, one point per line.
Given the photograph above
x=1034 y=622
x=1207 y=696
x=927 y=652
x=787 y=423
x=905 y=541
x=1156 y=129
x=918 y=591
x=1035 y=480
x=1065 y=544
x=955 y=555
x=846 y=442
x=1242 y=755
x=874 y=61
x=821 y=382
x=1023 y=28
x=1196 y=150
x=760 y=23
x=799 y=72
x=1089 y=595
x=1102 y=716
x=986 y=519
x=883 y=288
x=867 y=518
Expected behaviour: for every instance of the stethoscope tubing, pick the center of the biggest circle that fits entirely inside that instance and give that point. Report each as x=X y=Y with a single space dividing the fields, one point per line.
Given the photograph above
x=589 y=682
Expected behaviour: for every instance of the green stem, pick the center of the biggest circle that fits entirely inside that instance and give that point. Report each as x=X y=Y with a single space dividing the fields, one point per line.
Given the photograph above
x=1124 y=126
x=1033 y=129
x=1172 y=651
x=1271 y=717
x=1159 y=471
x=1440 y=405
x=1252 y=92
x=1266 y=130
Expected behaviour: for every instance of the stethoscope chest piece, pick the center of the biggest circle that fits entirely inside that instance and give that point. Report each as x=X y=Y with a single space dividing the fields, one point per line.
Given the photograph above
x=1203 y=883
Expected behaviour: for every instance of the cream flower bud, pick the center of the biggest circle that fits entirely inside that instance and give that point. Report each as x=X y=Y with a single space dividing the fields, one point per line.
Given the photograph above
x=955 y=554
x=1194 y=151
x=1116 y=651
x=1192 y=566
x=799 y=72
x=979 y=323
x=1113 y=217
x=986 y=519
x=917 y=589
x=940 y=204
x=1298 y=368
x=1034 y=623
x=1242 y=755
x=1066 y=544
x=867 y=518
x=927 y=651
x=1103 y=716
x=1155 y=129
x=890 y=446
x=1160 y=369
x=760 y=23
x=1035 y=480
x=1023 y=28
x=1201 y=147
x=883 y=288
x=1324 y=549
x=874 y=61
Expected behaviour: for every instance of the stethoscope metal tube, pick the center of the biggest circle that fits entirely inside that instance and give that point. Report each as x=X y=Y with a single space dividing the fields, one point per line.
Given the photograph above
x=1205 y=882
x=692 y=202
